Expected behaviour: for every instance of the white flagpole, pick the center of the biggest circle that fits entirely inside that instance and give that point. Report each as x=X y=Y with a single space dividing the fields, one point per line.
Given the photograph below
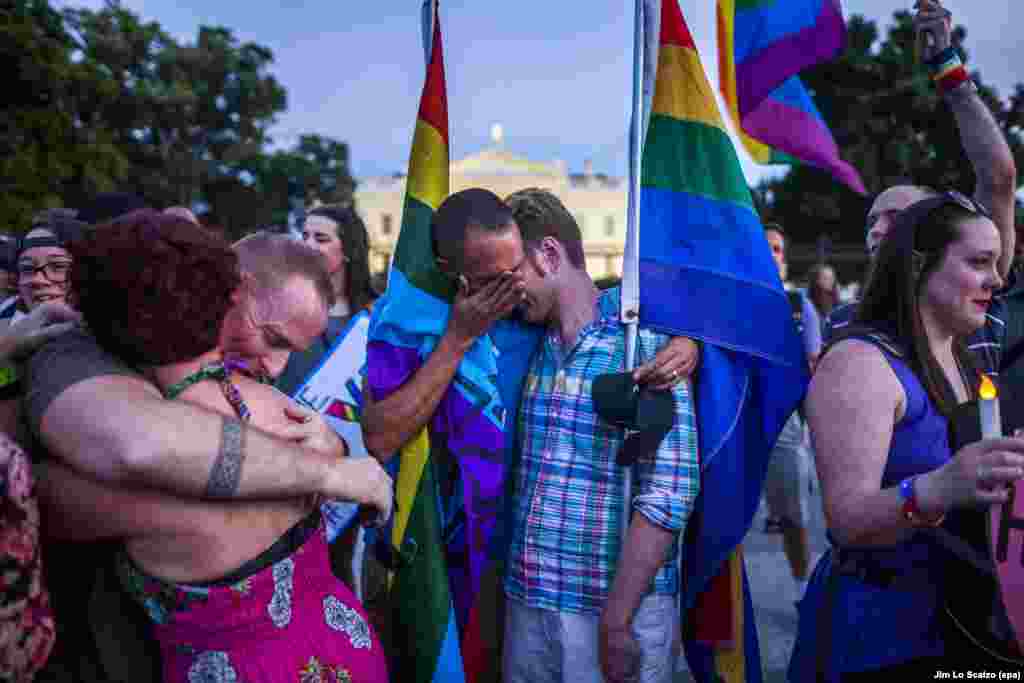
x=630 y=310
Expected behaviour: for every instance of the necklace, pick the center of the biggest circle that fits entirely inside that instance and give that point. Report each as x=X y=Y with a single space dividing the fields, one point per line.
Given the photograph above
x=221 y=372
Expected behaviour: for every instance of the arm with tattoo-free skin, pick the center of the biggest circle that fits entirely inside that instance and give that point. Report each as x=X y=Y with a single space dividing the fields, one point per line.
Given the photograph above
x=391 y=422
x=982 y=138
x=119 y=429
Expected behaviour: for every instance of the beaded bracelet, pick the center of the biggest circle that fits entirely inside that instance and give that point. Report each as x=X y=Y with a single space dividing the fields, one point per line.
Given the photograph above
x=948 y=70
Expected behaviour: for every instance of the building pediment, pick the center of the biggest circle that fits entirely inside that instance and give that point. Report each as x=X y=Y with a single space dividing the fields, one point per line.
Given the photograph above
x=500 y=162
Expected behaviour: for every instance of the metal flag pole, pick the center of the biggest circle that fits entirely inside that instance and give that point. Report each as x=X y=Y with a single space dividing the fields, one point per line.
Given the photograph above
x=630 y=310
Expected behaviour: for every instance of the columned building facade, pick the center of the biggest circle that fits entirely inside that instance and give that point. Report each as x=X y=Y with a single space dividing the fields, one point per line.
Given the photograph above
x=597 y=201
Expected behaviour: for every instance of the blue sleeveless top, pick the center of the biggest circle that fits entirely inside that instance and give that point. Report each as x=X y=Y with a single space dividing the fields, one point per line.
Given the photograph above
x=873 y=627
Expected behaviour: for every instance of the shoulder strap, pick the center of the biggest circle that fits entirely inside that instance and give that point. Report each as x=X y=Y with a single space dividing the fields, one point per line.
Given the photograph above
x=796 y=301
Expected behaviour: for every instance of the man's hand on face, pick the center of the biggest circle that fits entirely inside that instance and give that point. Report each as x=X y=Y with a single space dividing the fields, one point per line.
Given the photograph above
x=474 y=313
x=672 y=364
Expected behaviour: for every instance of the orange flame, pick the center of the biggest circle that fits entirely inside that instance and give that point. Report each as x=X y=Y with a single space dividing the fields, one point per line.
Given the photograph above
x=987 y=390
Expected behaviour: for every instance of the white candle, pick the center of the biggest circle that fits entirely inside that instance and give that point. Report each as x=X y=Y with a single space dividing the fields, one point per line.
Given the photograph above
x=988 y=409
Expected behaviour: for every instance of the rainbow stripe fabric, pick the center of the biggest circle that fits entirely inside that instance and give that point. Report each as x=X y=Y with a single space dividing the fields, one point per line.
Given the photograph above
x=706 y=272
x=762 y=46
x=446 y=602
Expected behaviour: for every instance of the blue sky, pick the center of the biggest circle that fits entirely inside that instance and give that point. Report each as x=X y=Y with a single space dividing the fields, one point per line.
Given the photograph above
x=554 y=73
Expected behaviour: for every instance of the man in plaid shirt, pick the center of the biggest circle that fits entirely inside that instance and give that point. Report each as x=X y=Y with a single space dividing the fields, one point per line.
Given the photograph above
x=582 y=607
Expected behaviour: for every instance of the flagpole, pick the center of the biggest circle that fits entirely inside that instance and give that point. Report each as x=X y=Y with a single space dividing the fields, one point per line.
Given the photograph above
x=427 y=24
x=630 y=309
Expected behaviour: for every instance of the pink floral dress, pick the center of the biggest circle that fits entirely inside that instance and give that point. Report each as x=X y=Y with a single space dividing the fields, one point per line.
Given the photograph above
x=291 y=621
x=27 y=630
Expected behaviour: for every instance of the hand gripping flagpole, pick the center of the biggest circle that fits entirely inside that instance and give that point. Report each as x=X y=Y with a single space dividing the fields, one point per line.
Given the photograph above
x=630 y=310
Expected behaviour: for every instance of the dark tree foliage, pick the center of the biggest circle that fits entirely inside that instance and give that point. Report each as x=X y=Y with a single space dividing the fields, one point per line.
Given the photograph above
x=102 y=100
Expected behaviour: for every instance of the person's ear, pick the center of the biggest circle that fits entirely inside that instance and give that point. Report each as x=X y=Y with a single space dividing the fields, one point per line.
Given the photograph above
x=245 y=289
x=551 y=255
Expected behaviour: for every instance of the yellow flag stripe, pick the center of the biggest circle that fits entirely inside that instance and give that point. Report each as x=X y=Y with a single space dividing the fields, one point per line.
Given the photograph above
x=682 y=90
x=428 y=166
x=414 y=458
x=759 y=152
x=730 y=663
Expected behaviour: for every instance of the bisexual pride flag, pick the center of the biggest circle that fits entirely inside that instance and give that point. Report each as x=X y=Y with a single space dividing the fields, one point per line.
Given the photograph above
x=762 y=46
x=706 y=272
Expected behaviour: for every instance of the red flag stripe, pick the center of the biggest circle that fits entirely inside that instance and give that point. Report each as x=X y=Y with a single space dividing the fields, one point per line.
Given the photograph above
x=674 y=30
x=434 y=103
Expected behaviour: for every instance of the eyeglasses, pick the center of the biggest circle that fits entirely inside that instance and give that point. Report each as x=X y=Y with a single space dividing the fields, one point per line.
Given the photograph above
x=54 y=271
x=474 y=285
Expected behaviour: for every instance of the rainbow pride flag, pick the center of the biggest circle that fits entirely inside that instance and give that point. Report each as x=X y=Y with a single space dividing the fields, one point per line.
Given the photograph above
x=446 y=603
x=706 y=272
x=762 y=46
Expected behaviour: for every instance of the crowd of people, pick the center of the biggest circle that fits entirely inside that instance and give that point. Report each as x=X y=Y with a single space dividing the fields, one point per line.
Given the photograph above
x=167 y=503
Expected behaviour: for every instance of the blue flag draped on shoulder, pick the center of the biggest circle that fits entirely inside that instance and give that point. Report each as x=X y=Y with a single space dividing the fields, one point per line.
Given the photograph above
x=706 y=272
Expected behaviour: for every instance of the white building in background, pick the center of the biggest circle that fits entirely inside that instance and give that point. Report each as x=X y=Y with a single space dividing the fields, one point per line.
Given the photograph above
x=597 y=201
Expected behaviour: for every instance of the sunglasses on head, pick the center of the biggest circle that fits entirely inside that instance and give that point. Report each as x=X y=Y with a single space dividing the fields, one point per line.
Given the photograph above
x=965 y=202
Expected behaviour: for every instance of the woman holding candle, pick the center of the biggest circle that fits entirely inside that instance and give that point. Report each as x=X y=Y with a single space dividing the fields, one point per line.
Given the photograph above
x=879 y=407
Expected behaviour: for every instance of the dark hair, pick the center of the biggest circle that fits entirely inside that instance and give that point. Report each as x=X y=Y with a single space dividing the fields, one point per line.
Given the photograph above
x=154 y=288
x=473 y=208
x=272 y=260
x=916 y=246
x=108 y=206
x=8 y=253
x=775 y=227
x=540 y=214
x=355 y=242
x=823 y=300
x=63 y=230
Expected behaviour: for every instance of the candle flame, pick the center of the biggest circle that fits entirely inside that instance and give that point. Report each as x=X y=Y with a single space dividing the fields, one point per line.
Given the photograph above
x=987 y=390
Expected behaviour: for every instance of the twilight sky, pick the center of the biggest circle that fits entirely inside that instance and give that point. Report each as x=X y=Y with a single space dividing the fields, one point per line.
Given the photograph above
x=554 y=73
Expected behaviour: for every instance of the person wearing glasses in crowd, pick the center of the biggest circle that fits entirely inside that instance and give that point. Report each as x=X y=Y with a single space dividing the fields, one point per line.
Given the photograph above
x=880 y=406
x=991 y=161
x=157 y=289
x=40 y=308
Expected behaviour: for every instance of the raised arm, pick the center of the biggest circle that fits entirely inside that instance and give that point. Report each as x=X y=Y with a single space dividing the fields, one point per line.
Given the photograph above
x=983 y=140
x=391 y=421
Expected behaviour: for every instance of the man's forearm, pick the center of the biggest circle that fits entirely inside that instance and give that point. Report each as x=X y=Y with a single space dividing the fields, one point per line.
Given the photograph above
x=77 y=508
x=119 y=430
x=992 y=161
x=643 y=554
x=390 y=423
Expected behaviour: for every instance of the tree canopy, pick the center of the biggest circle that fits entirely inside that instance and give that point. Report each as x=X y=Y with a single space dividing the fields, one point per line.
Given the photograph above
x=101 y=99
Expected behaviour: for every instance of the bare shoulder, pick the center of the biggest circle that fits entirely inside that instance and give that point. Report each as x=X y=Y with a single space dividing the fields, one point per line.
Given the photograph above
x=856 y=372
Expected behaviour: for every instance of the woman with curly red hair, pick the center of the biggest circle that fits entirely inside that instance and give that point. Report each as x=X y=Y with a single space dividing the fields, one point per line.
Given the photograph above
x=250 y=595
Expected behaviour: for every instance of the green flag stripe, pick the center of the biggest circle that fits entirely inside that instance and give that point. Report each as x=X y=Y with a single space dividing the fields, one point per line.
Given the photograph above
x=420 y=597
x=687 y=156
x=414 y=254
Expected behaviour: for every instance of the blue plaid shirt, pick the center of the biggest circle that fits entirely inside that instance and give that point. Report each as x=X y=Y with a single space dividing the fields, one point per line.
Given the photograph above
x=567 y=501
